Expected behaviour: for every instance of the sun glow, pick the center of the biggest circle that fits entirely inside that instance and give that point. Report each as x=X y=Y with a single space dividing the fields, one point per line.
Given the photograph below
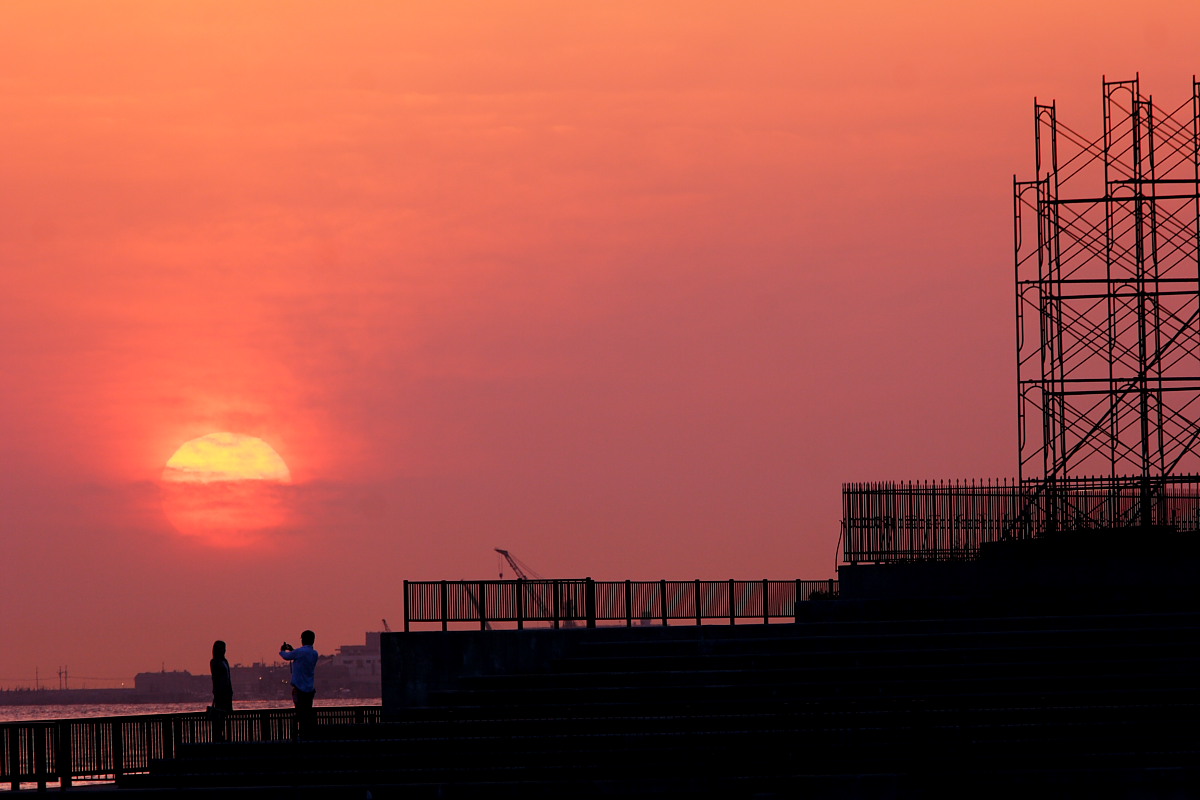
x=226 y=489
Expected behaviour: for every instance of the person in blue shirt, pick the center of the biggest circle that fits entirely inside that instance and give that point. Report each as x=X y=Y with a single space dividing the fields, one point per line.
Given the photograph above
x=304 y=688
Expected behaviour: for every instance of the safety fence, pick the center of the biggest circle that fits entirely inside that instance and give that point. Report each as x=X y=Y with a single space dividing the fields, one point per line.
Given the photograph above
x=950 y=520
x=106 y=748
x=586 y=602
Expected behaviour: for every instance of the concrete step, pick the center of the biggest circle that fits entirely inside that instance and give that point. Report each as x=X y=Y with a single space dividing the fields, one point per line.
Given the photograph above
x=873 y=646
x=1010 y=781
x=1134 y=662
x=1071 y=741
x=800 y=637
x=656 y=695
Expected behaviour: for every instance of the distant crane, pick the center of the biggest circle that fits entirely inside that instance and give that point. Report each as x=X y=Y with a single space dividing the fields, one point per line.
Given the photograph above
x=478 y=605
x=522 y=569
x=525 y=572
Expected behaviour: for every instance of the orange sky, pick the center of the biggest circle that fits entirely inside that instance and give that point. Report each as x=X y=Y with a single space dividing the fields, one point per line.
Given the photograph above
x=626 y=288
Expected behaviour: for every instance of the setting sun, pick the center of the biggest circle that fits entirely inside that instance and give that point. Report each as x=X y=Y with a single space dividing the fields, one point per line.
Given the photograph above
x=225 y=489
x=226 y=457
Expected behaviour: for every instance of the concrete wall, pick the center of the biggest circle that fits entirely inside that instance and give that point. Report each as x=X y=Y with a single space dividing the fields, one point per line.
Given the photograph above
x=1105 y=570
x=420 y=662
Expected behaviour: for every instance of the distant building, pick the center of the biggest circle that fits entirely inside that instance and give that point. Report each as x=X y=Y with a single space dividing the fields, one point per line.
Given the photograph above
x=176 y=686
x=261 y=681
x=353 y=670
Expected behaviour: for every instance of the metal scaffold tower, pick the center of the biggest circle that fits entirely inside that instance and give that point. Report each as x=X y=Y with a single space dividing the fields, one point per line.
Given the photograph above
x=1107 y=243
x=1107 y=238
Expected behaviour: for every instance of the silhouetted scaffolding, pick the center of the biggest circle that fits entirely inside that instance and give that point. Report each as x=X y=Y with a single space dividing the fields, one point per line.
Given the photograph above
x=1108 y=297
x=1107 y=252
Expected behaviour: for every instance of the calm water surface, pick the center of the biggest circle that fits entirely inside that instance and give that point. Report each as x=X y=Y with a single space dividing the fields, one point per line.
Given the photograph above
x=25 y=713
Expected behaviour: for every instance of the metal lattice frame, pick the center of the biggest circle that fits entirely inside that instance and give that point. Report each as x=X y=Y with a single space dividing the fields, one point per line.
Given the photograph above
x=1108 y=294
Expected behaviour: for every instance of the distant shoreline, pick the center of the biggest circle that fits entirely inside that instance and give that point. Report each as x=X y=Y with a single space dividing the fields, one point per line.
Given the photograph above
x=71 y=697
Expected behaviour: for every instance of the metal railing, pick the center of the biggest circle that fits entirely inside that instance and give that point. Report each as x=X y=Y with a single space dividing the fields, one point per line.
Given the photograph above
x=585 y=602
x=106 y=748
x=951 y=520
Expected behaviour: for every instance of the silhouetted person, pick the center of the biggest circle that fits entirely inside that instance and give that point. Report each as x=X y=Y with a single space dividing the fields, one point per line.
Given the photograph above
x=222 y=684
x=304 y=687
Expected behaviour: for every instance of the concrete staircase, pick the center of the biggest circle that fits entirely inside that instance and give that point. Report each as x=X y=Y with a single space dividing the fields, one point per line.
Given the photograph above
x=965 y=707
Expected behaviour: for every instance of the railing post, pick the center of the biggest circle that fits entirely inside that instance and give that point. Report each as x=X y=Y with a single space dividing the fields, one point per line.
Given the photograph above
x=62 y=753
x=628 y=603
x=14 y=756
x=39 y=757
x=554 y=607
x=520 y=605
x=406 y=611
x=483 y=605
x=445 y=610
x=697 y=601
x=168 y=737
x=662 y=599
x=732 y=610
x=590 y=601
x=118 y=750
x=796 y=602
x=766 y=604
x=831 y=588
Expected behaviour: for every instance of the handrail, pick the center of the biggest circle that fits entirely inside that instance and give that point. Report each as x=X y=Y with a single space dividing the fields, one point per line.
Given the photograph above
x=567 y=602
x=106 y=748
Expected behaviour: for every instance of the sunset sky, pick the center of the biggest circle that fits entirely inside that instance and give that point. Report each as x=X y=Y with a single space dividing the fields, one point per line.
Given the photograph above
x=627 y=288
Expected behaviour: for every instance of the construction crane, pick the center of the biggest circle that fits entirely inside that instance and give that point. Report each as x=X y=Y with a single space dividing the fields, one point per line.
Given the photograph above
x=522 y=569
x=478 y=605
x=536 y=594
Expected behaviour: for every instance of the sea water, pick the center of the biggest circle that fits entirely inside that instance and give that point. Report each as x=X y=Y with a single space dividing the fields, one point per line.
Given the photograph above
x=29 y=713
